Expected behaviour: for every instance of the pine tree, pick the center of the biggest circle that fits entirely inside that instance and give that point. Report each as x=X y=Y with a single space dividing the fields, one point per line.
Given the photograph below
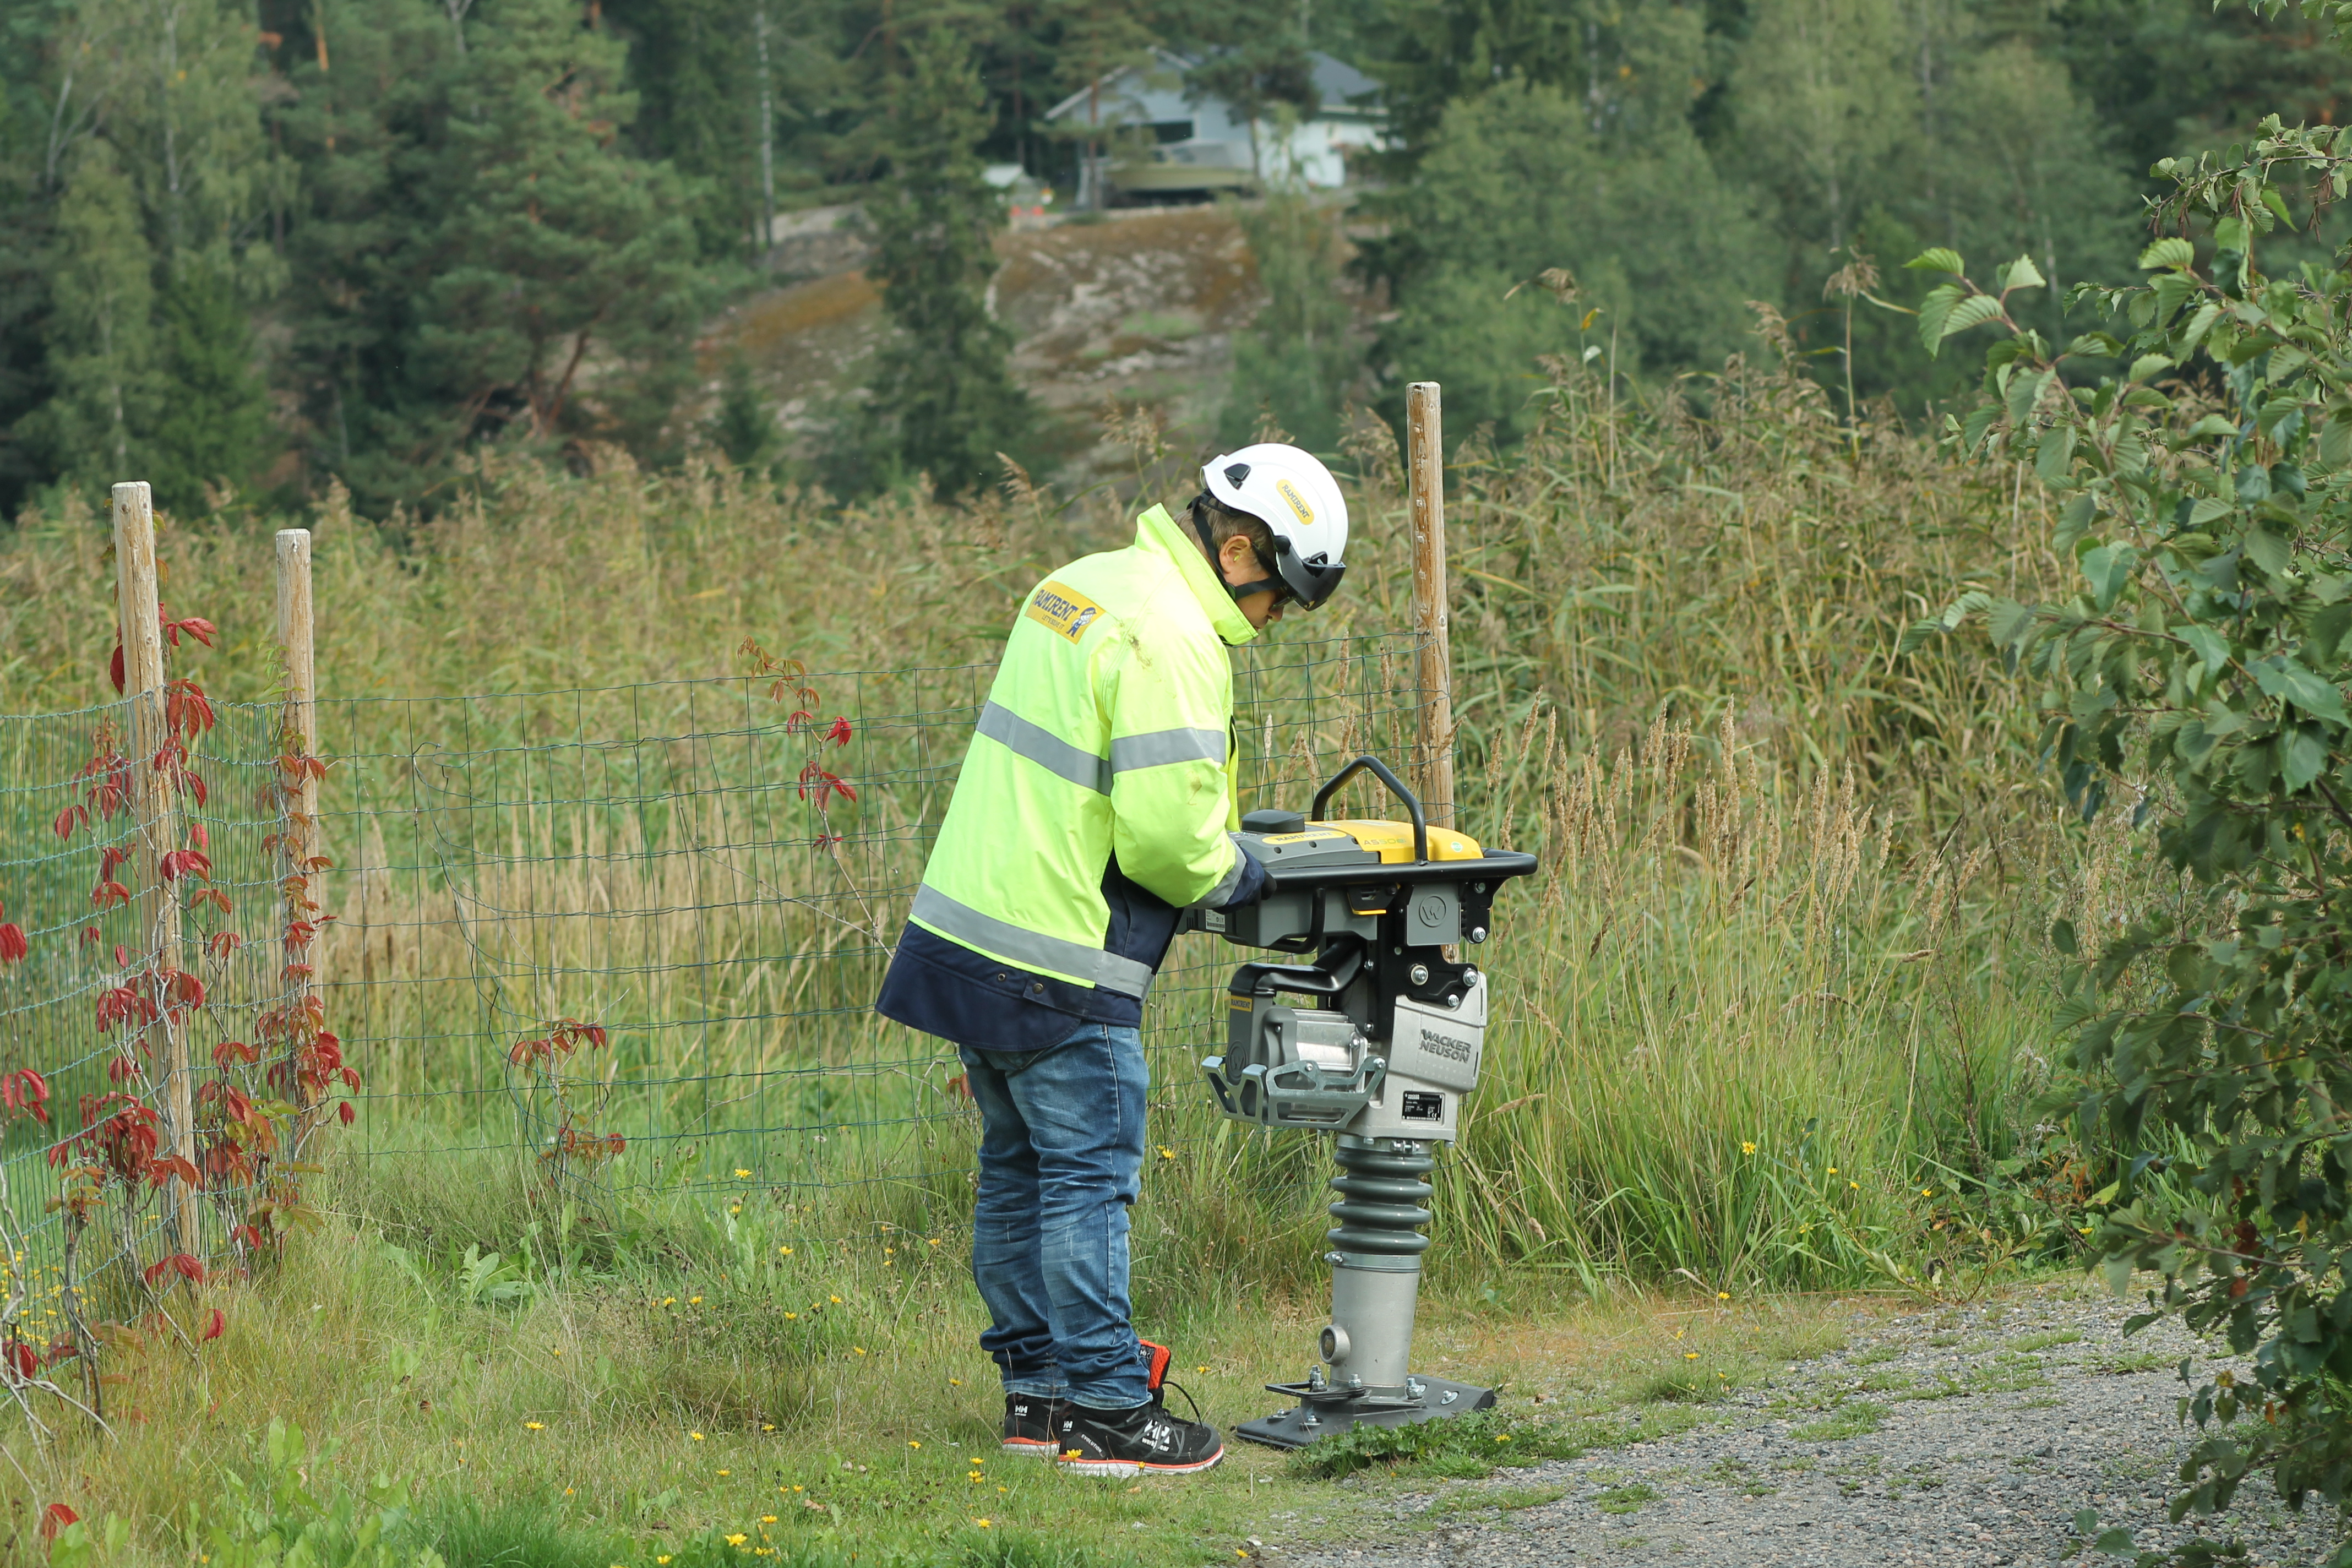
x=745 y=425
x=478 y=240
x=157 y=247
x=1094 y=40
x=213 y=419
x=101 y=350
x=941 y=395
x=554 y=243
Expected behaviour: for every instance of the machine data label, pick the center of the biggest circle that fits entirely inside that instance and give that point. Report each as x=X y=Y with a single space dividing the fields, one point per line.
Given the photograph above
x=1422 y=1106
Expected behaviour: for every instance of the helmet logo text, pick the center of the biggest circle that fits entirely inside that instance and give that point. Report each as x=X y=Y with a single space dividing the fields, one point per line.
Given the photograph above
x=1293 y=500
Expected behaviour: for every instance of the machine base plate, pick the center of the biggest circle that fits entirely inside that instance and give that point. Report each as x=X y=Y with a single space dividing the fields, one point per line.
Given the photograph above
x=1326 y=1412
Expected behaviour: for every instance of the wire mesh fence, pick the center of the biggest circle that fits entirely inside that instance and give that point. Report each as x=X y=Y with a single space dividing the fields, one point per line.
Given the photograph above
x=154 y=989
x=630 y=936
x=611 y=940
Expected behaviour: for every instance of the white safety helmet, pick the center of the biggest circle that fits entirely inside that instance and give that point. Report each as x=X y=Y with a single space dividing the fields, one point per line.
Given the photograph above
x=1300 y=501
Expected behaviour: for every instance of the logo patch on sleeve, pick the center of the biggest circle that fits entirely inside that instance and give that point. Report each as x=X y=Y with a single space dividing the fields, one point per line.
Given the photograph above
x=1062 y=611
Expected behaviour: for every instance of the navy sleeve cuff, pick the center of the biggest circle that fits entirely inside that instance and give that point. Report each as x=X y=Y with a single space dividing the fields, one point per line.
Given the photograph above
x=1249 y=887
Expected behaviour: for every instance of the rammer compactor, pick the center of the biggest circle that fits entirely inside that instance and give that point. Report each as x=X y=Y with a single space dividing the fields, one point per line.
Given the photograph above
x=1379 y=1050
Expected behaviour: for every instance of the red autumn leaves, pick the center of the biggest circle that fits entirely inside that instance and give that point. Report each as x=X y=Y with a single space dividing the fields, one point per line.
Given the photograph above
x=546 y=1055
x=563 y=1038
x=189 y=1268
x=25 y=1093
x=816 y=782
x=195 y=627
x=814 y=778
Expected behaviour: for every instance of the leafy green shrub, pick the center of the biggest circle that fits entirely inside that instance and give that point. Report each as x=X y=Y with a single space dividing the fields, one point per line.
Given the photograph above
x=293 y=1513
x=2196 y=678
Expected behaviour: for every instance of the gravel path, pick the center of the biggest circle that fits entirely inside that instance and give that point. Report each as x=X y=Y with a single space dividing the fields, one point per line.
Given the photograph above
x=1954 y=1436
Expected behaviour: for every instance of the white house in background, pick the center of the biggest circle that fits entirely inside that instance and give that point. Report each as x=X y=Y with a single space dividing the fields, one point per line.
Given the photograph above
x=1201 y=146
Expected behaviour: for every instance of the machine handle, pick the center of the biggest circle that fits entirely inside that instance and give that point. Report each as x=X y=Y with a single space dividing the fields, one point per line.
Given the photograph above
x=1379 y=769
x=1326 y=979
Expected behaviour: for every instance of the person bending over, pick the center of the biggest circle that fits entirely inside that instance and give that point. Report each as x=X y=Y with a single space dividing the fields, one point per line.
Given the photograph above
x=1096 y=802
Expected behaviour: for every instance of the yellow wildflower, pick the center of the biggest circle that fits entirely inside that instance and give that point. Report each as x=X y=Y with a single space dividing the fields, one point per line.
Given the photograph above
x=1747 y=1148
x=742 y=1175
x=534 y=1425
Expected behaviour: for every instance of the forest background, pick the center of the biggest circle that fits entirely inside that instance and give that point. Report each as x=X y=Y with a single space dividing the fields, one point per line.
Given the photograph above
x=264 y=244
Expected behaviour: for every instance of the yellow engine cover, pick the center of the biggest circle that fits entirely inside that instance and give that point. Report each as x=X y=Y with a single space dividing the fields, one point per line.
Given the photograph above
x=1392 y=841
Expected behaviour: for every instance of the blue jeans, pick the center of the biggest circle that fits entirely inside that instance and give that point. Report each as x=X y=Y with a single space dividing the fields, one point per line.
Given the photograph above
x=1061 y=1151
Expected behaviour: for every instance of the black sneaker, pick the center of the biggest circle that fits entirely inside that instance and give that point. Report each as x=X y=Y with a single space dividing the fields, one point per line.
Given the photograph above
x=1029 y=1420
x=1145 y=1440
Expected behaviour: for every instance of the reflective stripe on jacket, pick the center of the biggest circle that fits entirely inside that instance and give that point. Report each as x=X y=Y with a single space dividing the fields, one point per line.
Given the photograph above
x=1097 y=795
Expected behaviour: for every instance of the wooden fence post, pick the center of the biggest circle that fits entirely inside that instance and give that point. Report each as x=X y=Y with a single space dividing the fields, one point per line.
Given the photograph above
x=155 y=816
x=299 y=834
x=1426 y=477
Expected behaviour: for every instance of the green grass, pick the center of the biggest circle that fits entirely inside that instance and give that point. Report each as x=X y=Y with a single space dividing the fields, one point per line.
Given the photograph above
x=654 y=1389
x=1853 y=1418
x=1626 y=1499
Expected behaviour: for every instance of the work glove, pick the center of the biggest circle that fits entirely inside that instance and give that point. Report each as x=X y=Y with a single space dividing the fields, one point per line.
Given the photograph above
x=1251 y=884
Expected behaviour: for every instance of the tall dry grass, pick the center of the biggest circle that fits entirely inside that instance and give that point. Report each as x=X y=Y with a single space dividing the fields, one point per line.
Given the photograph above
x=1794 y=882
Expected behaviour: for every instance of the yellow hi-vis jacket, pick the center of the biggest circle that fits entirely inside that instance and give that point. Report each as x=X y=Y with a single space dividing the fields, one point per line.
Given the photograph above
x=1096 y=798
